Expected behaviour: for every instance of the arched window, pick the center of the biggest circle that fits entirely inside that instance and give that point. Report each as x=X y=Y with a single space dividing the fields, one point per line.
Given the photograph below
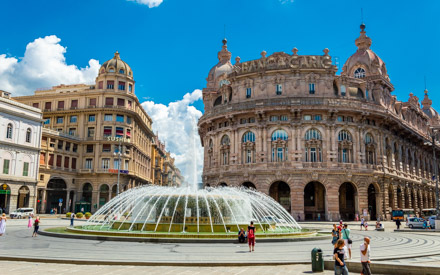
x=370 y=149
x=359 y=73
x=9 y=131
x=28 y=135
x=279 y=145
x=224 y=149
x=121 y=71
x=313 y=145
x=248 y=147
x=218 y=101
x=345 y=147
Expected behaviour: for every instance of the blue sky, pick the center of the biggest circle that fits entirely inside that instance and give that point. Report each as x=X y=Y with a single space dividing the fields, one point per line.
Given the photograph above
x=172 y=47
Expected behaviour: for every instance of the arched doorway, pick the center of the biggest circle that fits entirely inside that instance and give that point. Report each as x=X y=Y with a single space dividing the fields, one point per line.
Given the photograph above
x=87 y=193
x=347 y=201
x=104 y=192
x=23 y=197
x=399 y=198
x=5 y=197
x=56 y=193
x=280 y=191
x=406 y=195
x=314 y=201
x=249 y=184
x=222 y=184
x=391 y=197
x=372 y=207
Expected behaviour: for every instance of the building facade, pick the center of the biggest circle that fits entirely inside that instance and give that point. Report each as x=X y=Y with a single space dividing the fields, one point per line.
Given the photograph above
x=325 y=146
x=19 y=152
x=87 y=129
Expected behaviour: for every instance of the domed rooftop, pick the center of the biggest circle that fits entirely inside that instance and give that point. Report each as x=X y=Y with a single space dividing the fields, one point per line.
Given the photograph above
x=116 y=65
x=224 y=66
x=364 y=62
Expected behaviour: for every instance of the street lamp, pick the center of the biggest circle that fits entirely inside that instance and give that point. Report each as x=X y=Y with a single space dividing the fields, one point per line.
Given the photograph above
x=119 y=154
x=437 y=218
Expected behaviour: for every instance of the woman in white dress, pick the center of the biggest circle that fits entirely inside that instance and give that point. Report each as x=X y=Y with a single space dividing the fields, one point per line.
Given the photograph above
x=2 y=224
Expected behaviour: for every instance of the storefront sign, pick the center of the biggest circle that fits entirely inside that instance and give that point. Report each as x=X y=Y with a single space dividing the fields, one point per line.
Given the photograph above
x=116 y=171
x=122 y=139
x=5 y=186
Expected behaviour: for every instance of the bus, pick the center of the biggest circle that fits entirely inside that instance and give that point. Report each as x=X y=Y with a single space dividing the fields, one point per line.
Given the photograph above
x=397 y=215
x=428 y=212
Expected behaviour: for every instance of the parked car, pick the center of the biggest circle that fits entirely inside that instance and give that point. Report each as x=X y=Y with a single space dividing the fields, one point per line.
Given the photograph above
x=21 y=213
x=415 y=222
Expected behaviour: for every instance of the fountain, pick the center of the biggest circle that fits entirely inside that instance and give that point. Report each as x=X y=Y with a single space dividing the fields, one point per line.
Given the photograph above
x=187 y=211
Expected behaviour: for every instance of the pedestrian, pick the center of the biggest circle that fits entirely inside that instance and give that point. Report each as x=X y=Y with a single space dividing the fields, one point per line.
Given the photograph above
x=72 y=217
x=29 y=221
x=36 y=226
x=339 y=255
x=241 y=236
x=346 y=236
x=366 y=226
x=3 y=224
x=251 y=236
x=82 y=210
x=398 y=223
x=362 y=222
x=335 y=234
x=365 y=257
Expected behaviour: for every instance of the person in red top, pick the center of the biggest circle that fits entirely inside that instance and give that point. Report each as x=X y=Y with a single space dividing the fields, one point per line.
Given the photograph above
x=251 y=236
x=36 y=226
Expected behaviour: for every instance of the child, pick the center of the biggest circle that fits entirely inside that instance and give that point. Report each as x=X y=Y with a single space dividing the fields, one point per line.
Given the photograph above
x=366 y=226
x=29 y=221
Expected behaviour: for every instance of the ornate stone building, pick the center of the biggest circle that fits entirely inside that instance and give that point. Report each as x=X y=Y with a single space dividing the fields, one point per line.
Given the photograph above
x=325 y=146
x=86 y=128
x=19 y=150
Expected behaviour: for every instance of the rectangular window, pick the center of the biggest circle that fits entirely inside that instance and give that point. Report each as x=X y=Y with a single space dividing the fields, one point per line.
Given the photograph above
x=273 y=118
x=92 y=102
x=109 y=101
x=91 y=132
x=67 y=146
x=340 y=118
x=51 y=158
x=129 y=103
x=313 y=155
x=88 y=164
x=107 y=131
x=47 y=121
x=128 y=119
x=126 y=164
x=349 y=119
x=48 y=106
x=25 y=169
x=130 y=87
x=75 y=148
x=60 y=120
x=121 y=102
x=74 y=104
x=6 y=166
x=119 y=118
x=105 y=163
x=59 y=160
x=312 y=88
x=42 y=158
x=307 y=117
x=116 y=147
x=128 y=133
x=110 y=85
x=344 y=155
x=66 y=162
x=108 y=117
x=72 y=131
x=60 y=105
x=280 y=154
x=121 y=86
x=243 y=121
x=73 y=119
x=106 y=148
x=248 y=156
x=116 y=163
x=119 y=131
x=92 y=118
x=317 y=117
x=74 y=163
x=279 y=89
x=284 y=118
x=251 y=120
x=36 y=105
x=89 y=148
x=248 y=92
x=100 y=84
x=60 y=144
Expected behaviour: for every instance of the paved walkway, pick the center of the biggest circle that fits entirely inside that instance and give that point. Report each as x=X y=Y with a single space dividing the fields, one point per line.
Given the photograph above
x=17 y=242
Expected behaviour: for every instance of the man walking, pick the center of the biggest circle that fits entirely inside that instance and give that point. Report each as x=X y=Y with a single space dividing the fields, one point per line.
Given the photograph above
x=72 y=217
x=398 y=223
x=365 y=257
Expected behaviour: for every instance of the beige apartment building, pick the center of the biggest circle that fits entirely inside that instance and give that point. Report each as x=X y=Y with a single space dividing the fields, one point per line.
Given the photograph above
x=325 y=146
x=87 y=129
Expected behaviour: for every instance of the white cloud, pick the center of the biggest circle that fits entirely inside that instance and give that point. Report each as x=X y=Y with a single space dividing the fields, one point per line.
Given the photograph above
x=43 y=65
x=177 y=127
x=149 y=3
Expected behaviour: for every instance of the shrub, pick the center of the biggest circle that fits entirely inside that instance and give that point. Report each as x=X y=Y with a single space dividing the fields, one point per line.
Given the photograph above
x=88 y=215
x=79 y=215
x=68 y=214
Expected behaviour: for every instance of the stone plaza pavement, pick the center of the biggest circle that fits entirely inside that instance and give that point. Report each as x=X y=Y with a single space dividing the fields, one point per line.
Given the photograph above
x=386 y=247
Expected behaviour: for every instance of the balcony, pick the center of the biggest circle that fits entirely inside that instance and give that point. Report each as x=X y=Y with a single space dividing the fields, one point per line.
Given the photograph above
x=85 y=170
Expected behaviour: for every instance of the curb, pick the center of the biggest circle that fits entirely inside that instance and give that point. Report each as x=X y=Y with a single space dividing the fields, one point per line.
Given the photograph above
x=171 y=240
x=385 y=268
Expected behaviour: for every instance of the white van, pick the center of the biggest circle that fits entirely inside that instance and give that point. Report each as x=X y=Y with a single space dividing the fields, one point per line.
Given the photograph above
x=21 y=213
